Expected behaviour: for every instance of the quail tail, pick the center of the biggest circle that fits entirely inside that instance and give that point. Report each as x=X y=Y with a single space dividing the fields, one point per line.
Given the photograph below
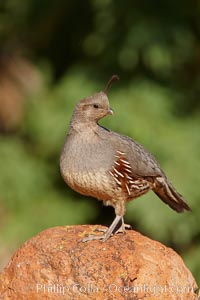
x=167 y=193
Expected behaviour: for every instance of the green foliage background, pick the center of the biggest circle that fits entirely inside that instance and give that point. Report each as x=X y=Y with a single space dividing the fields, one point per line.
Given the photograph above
x=77 y=45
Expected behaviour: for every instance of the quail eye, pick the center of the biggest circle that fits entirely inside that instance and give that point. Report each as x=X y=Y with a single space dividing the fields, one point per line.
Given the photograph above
x=95 y=105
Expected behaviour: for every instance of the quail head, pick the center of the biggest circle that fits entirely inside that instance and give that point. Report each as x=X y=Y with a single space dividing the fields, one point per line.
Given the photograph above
x=111 y=167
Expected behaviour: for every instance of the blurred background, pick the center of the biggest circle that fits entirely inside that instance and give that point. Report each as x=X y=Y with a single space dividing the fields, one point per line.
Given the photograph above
x=52 y=54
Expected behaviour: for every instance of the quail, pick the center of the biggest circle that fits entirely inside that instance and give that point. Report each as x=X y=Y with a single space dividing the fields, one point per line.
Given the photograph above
x=111 y=167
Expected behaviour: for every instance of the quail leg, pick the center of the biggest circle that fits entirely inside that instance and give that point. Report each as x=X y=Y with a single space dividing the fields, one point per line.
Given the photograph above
x=107 y=234
x=121 y=229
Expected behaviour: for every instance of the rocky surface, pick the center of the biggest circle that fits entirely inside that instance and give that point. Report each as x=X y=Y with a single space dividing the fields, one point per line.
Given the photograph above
x=56 y=265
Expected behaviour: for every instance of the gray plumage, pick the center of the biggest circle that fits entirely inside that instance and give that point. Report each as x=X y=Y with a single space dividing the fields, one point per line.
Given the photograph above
x=111 y=167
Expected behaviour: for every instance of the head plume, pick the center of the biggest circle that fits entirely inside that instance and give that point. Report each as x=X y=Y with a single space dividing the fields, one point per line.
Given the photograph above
x=110 y=82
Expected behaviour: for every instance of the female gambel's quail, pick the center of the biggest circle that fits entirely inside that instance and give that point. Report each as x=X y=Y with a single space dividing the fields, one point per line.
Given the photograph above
x=111 y=167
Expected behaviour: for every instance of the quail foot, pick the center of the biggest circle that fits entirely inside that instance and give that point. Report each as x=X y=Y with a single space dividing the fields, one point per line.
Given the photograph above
x=111 y=167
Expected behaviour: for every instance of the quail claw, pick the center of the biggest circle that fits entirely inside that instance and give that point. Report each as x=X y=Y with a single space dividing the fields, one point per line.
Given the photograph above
x=123 y=228
x=94 y=237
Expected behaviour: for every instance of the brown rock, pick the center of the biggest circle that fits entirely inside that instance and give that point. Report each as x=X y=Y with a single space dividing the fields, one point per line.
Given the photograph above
x=55 y=265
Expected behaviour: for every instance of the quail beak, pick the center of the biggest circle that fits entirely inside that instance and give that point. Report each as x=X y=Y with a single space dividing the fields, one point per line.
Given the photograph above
x=110 y=111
